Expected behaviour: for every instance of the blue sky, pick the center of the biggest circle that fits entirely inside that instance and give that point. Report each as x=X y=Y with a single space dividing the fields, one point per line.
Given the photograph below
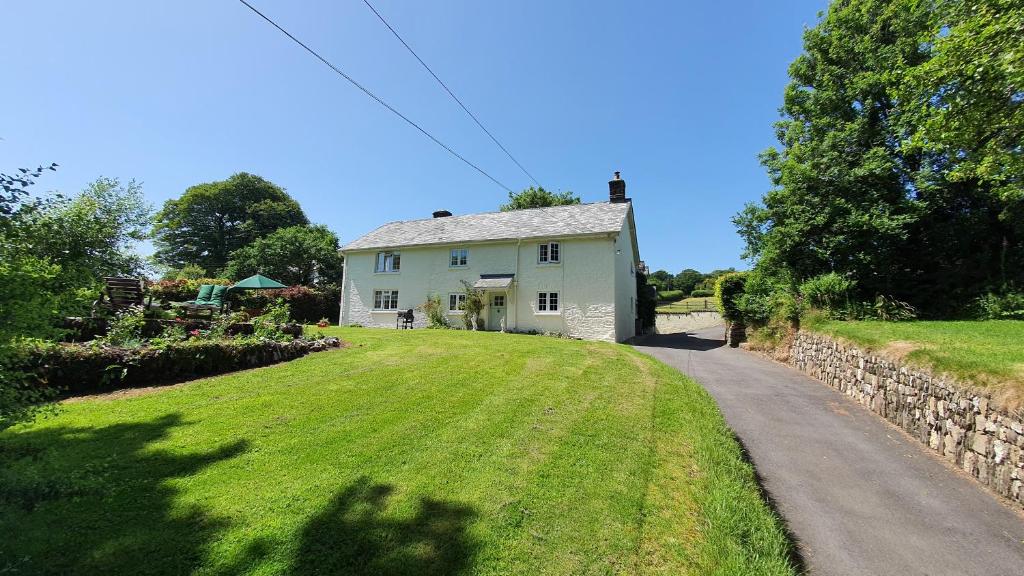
x=678 y=96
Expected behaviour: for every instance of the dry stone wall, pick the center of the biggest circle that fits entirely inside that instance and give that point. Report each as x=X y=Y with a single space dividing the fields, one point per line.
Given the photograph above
x=961 y=425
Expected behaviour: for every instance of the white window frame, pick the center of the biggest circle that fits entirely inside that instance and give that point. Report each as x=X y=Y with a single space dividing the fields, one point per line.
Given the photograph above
x=546 y=249
x=460 y=300
x=379 y=301
x=385 y=262
x=548 y=305
x=458 y=258
x=494 y=300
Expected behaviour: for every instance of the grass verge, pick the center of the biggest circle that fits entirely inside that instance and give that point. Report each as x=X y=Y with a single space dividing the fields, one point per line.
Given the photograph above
x=426 y=452
x=986 y=353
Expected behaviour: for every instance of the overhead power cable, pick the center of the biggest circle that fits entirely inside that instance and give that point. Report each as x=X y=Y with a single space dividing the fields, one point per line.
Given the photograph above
x=449 y=91
x=374 y=96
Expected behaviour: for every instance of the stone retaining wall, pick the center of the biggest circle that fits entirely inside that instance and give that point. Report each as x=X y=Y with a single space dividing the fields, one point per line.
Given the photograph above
x=961 y=425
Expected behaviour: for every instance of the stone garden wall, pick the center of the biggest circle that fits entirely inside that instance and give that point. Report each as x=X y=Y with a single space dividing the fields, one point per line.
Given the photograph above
x=961 y=425
x=685 y=322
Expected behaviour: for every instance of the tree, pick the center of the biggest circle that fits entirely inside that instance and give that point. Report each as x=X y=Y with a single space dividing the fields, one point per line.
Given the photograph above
x=212 y=220
x=969 y=110
x=298 y=255
x=687 y=280
x=538 y=198
x=897 y=154
x=94 y=233
x=661 y=280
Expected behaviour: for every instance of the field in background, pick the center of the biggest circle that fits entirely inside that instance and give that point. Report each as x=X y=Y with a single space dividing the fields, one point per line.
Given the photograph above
x=422 y=451
x=687 y=305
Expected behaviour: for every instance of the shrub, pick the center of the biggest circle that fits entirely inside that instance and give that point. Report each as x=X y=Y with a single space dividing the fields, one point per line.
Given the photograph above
x=1008 y=305
x=892 y=310
x=728 y=289
x=670 y=295
x=80 y=369
x=125 y=328
x=307 y=305
x=182 y=289
x=700 y=293
x=828 y=292
x=435 y=311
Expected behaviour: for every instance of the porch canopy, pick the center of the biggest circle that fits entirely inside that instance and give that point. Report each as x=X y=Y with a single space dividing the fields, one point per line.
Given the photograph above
x=494 y=282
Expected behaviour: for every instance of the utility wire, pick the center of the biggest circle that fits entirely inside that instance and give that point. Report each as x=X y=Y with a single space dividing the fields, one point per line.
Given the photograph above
x=450 y=93
x=372 y=95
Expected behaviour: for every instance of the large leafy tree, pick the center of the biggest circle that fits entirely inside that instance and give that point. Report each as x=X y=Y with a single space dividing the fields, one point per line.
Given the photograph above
x=298 y=255
x=212 y=220
x=877 y=176
x=53 y=251
x=538 y=198
x=687 y=280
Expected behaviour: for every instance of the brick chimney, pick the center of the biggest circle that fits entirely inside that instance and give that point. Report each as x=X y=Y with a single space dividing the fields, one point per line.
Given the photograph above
x=617 y=189
x=442 y=214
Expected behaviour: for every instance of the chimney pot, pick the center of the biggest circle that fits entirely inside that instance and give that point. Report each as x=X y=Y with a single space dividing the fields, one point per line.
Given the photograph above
x=442 y=214
x=617 y=189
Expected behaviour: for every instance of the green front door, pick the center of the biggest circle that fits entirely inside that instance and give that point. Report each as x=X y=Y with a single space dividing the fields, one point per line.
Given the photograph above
x=496 y=312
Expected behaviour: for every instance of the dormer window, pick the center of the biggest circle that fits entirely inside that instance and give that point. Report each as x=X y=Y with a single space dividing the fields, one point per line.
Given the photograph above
x=549 y=253
x=388 y=262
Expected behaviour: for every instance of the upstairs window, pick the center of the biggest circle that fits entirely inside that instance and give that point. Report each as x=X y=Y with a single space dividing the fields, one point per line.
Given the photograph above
x=549 y=253
x=547 y=302
x=459 y=257
x=456 y=302
x=388 y=261
x=385 y=299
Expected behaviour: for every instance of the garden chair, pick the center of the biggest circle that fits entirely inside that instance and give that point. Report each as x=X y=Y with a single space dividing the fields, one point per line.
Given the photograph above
x=210 y=299
x=404 y=320
x=121 y=293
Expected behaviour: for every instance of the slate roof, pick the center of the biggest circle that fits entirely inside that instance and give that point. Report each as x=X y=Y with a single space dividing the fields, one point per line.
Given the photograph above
x=578 y=219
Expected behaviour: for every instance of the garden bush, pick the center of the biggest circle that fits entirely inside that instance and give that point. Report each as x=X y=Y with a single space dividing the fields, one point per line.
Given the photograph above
x=308 y=305
x=182 y=289
x=728 y=290
x=1008 y=305
x=670 y=295
x=82 y=369
x=702 y=293
x=829 y=293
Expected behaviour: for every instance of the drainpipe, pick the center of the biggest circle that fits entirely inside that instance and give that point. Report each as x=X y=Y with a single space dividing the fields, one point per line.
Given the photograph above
x=515 y=287
x=344 y=280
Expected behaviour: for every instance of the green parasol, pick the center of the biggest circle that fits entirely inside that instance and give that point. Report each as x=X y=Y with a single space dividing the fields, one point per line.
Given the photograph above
x=257 y=282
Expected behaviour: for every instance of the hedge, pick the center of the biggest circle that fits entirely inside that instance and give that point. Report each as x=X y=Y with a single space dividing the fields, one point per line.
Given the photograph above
x=307 y=305
x=80 y=369
x=702 y=294
x=670 y=295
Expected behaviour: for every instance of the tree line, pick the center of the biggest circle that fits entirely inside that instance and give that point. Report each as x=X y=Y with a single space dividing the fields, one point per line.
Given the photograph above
x=899 y=172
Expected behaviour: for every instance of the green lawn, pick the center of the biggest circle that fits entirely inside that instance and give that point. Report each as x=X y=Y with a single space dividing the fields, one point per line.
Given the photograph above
x=988 y=353
x=688 y=305
x=411 y=452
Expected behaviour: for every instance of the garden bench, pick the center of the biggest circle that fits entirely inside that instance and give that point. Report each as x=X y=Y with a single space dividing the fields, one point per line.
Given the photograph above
x=121 y=293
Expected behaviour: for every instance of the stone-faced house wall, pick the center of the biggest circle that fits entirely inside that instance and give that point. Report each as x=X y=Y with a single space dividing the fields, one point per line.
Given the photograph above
x=960 y=424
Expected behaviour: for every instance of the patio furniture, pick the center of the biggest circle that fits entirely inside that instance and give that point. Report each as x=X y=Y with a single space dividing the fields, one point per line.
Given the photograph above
x=404 y=320
x=121 y=293
x=210 y=299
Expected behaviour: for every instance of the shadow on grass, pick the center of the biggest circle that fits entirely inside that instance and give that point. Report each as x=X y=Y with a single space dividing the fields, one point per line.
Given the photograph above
x=98 y=501
x=352 y=536
x=796 y=558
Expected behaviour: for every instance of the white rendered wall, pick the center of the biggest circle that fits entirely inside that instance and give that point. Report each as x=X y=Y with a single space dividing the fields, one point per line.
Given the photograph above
x=585 y=280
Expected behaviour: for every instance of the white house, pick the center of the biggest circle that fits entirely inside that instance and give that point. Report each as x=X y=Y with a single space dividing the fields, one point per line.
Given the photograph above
x=568 y=269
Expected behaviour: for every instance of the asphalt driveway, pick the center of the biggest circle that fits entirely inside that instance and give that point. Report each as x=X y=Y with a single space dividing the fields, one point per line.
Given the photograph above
x=858 y=495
